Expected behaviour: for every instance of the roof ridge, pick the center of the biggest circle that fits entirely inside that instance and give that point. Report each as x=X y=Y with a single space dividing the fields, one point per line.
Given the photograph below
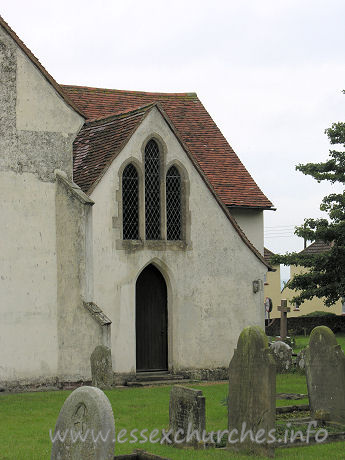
x=124 y=91
x=117 y=115
x=40 y=67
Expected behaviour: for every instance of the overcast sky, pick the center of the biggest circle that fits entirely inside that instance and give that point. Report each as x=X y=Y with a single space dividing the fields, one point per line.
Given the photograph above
x=270 y=73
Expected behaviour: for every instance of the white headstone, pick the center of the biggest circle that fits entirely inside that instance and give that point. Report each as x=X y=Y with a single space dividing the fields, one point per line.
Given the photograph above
x=85 y=428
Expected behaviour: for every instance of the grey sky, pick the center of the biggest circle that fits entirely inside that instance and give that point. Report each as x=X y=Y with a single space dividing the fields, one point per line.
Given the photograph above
x=270 y=73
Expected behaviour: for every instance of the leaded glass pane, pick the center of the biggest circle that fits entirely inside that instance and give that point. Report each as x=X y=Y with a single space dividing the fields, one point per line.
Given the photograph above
x=173 y=196
x=152 y=191
x=130 y=203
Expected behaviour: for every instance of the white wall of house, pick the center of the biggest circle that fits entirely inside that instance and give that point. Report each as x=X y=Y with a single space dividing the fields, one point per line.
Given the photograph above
x=251 y=222
x=210 y=293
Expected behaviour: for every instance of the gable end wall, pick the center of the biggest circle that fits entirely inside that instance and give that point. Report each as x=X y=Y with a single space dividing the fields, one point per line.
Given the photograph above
x=209 y=280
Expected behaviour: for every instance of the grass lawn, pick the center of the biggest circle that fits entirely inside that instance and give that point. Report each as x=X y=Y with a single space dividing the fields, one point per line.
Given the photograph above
x=302 y=342
x=26 y=418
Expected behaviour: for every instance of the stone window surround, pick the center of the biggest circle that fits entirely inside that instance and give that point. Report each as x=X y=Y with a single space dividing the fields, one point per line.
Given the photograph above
x=163 y=243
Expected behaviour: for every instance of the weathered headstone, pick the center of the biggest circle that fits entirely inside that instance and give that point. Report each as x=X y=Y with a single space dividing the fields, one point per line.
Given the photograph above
x=85 y=427
x=325 y=372
x=186 y=414
x=284 y=310
x=300 y=361
x=282 y=355
x=252 y=394
x=101 y=367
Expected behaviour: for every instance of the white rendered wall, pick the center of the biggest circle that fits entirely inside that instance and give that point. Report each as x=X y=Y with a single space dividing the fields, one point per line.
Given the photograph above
x=28 y=334
x=32 y=88
x=210 y=295
x=36 y=135
x=251 y=222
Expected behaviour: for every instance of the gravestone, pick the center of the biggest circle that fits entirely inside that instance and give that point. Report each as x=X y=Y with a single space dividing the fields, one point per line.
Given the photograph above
x=325 y=372
x=300 y=361
x=252 y=393
x=282 y=355
x=101 y=368
x=85 y=415
x=187 y=413
x=284 y=310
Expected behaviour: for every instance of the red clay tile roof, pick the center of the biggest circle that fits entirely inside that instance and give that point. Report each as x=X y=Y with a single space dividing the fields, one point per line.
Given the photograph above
x=267 y=255
x=98 y=142
x=220 y=164
x=316 y=248
x=40 y=67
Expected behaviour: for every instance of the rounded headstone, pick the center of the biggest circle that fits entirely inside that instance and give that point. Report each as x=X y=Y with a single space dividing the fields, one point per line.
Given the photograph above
x=282 y=354
x=325 y=373
x=322 y=337
x=85 y=428
x=252 y=390
x=252 y=341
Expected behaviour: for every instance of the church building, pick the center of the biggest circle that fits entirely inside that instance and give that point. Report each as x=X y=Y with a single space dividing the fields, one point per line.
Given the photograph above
x=126 y=220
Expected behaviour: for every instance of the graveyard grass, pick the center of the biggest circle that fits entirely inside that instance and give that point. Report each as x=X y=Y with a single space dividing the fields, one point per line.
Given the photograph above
x=26 y=419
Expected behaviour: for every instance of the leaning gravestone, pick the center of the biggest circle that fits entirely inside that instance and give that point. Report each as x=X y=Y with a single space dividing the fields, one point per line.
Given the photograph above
x=187 y=414
x=101 y=367
x=85 y=416
x=252 y=393
x=282 y=354
x=325 y=372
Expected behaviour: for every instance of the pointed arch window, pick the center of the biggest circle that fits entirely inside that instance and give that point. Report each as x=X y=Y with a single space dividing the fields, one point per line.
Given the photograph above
x=173 y=204
x=152 y=191
x=130 y=203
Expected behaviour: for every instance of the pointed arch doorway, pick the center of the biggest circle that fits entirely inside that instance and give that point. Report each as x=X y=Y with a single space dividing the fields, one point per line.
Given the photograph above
x=151 y=321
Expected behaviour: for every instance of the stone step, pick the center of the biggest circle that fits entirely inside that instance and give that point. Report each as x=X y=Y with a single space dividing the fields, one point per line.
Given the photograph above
x=146 y=383
x=151 y=376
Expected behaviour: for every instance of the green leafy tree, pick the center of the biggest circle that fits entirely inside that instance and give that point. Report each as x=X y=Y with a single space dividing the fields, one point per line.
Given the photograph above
x=325 y=276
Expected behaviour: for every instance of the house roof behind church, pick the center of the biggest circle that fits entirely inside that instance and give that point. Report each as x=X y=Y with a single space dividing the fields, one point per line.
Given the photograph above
x=316 y=248
x=223 y=169
x=267 y=255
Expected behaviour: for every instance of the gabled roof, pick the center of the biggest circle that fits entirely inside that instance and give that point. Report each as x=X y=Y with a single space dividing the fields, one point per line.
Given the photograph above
x=40 y=67
x=98 y=143
x=267 y=255
x=316 y=248
x=101 y=140
x=196 y=129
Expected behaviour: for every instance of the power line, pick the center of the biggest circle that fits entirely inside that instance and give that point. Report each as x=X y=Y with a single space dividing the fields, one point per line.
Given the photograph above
x=286 y=232
x=280 y=226
x=279 y=236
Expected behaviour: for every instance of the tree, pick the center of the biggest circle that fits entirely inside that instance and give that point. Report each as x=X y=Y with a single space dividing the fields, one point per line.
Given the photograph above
x=325 y=276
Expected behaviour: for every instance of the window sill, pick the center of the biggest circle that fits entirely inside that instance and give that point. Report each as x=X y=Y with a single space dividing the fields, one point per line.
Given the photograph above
x=156 y=245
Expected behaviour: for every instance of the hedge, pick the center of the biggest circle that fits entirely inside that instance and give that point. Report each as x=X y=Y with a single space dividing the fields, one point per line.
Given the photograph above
x=304 y=325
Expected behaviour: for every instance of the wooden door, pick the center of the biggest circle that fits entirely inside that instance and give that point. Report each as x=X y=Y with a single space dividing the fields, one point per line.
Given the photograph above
x=151 y=321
